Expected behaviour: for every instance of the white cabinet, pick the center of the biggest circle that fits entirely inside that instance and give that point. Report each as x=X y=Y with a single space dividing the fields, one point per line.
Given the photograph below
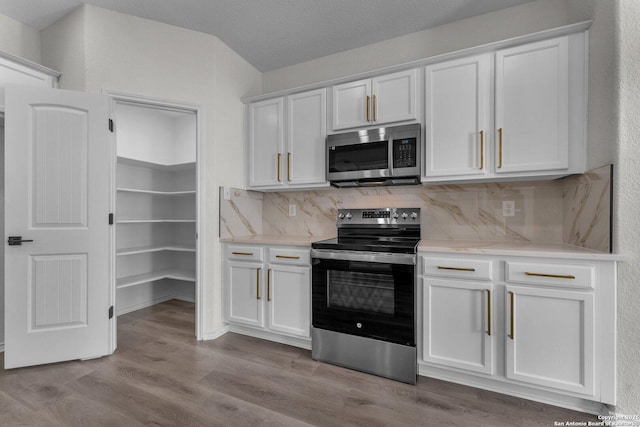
x=532 y=107
x=380 y=100
x=550 y=339
x=295 y=158
x=540 y=327
x=457 y=324
x=269 y=297
x=15 y=70
x=156 y=209
x=457 y=106
x=517 y=113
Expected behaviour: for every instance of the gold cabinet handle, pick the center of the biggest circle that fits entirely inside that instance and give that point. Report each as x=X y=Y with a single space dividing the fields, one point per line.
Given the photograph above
x=287 y=256
x=555 y=276
x=278 y=166
x=269 y=285
x=258 y=282
x=374 y=109
x=367 y=107
x=242 y=253
x=456 y=268
x=481 y=149
x=488 y=312
x=500 y=148
x=288 y=166
x=511 y=310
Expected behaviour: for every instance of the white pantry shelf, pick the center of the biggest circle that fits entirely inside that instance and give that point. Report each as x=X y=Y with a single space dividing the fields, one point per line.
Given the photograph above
x=155 y=192
x=138 y=279
x=155 y=248
x=152 y=165
x=142 y=221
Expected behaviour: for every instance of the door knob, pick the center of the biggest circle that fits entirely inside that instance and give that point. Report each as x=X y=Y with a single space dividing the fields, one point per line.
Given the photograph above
x=17 y=240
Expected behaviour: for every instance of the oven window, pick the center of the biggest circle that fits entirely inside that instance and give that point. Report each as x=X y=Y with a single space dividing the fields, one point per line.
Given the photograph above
x=360 y=291
x=359 y=157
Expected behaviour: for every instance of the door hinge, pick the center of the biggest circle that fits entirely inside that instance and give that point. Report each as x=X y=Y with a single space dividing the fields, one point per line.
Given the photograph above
x=111 y=312
x=110 y=219
x=111 y=125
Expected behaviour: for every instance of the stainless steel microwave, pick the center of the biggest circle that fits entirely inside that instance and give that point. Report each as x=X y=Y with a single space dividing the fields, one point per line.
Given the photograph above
x=383 y=156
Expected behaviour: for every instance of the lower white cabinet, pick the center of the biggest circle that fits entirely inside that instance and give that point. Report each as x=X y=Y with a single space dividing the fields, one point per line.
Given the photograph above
x=268 y=291
x=542 y=328
x=457 y=324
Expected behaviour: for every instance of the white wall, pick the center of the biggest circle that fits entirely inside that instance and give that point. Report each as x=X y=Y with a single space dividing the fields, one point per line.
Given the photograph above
x=627 y=206
x=19 y=39
x=139 y=56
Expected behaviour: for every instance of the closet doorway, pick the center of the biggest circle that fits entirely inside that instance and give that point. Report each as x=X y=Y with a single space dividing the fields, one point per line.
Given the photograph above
x=157 y=187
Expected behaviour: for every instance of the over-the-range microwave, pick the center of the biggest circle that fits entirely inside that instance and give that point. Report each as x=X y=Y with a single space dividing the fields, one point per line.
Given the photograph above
x=383 y=156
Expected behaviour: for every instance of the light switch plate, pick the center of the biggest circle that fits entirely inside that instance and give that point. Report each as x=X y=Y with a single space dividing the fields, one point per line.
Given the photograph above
x=226 y=193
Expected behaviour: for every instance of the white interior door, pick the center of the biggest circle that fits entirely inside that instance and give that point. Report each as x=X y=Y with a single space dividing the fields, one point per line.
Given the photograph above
x=57 y=199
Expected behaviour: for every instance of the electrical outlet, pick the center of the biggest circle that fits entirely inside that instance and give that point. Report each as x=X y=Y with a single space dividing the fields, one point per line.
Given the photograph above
x=226 y=193
x=292 y=210
x=508 y=208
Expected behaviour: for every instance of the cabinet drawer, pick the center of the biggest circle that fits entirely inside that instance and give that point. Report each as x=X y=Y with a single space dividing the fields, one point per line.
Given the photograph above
x=289 y=256
x=564 y=275
x=244 y=253
x=459 y=268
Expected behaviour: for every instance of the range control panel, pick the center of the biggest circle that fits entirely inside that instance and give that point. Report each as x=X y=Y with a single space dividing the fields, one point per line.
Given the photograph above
x=378 y=216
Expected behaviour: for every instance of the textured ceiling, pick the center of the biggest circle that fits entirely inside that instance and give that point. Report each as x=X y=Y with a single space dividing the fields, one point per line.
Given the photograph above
x=275 y=33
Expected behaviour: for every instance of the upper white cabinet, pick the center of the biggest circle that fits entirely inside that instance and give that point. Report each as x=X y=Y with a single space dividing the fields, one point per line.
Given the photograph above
x=532 y=107
x=457 y=107
x=279 y=159
x=384 y=99
x=266 y=142
x=516 y=113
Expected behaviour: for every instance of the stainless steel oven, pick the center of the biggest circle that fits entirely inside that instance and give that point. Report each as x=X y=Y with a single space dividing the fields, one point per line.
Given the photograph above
x=364 y=293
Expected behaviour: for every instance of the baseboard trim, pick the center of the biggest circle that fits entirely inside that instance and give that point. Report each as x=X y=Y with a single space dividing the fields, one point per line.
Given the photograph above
x=271 y=336
x=2 y=347
x=217 y=333
x=154 y=301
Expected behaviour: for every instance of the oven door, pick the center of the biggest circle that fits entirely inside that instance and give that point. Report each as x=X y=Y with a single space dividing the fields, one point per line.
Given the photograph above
x=365 y=293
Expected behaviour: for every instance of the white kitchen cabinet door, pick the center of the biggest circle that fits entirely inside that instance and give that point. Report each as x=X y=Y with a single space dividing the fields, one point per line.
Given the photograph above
x=457 y=104
x=351 y=104
x=58 y=177
x=457 y=324
x=306 y=133
x=550 y=338
x=289 y=299
x=393 y=97
x=266 y=143
x=245 y=293
x=532 y=107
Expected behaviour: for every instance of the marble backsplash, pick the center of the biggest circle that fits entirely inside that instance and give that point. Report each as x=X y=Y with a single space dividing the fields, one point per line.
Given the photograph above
x=574 y=210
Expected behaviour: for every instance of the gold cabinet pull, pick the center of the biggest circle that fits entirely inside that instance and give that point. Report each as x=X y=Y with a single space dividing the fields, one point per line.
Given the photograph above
x=374 y=109
x=555 y=276
x=500 y=148
x=258 y=282
x=288 y=256
x=367 y=107
x=456 y=268
x=488 y=312
x=288 y=166
x=481 y=149
x=242 y=253
x=511 y=309
x=278 y=165
x=269 y=285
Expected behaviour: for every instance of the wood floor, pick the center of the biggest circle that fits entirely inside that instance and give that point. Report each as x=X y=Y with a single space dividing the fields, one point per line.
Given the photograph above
x=161 y=376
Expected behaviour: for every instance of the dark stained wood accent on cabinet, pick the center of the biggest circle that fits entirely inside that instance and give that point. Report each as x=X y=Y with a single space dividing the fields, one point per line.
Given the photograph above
x=160 y=375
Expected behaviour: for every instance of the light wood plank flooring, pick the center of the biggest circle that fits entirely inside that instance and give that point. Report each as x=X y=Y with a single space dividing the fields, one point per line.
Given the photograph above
x=161 y=376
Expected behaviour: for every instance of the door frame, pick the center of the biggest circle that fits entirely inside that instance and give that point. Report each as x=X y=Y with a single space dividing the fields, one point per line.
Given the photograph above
x=198 y=110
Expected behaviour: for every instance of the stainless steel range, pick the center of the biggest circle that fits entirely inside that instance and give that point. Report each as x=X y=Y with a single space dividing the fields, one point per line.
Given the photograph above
x=364 y=293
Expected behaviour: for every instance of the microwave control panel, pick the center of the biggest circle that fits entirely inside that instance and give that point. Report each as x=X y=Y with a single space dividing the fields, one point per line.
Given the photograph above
x=404 y=153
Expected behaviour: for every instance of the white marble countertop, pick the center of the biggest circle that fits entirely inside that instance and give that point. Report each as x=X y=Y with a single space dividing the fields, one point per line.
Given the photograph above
x=545 y=250
x=471 y=247
x=263 y=239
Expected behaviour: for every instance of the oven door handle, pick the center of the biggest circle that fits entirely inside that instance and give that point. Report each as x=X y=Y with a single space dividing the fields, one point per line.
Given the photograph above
x=405 y=259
